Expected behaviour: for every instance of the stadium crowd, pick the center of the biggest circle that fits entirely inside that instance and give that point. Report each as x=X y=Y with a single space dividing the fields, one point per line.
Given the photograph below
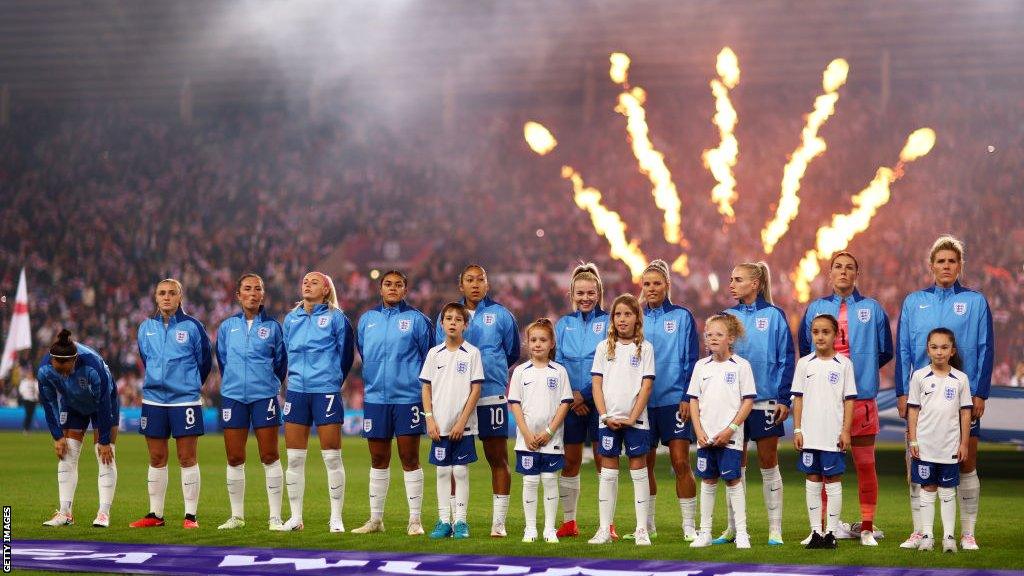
x=100 y=205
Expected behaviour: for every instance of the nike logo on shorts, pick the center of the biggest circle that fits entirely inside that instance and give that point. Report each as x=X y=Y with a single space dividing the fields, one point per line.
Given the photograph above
x=829 y=467
x=463 y=457
x=634 y=447
x=329 y=415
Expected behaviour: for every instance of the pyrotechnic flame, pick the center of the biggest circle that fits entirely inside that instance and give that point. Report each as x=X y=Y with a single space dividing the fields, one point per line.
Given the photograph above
x=810 y=147
x=652 y=162
x=607 y=223
x=539 y=138
x=620 y=67
x=844 y=227
x=721 y=160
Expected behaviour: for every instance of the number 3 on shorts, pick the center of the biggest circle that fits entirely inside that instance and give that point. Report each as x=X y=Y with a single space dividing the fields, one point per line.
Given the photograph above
x=415 y=415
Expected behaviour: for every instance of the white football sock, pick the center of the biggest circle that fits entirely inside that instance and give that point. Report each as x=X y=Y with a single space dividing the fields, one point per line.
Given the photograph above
x=380 y=480
x=190 y=483
x=106 y=480
x=688 y=509
x=461 y=474
x=569 y=495
x=947 y=510
x=550 y=482
x=834 y=492
x=156 y=484
x=731 y=525
x=641 y=494
x=335 y=481
x=813 y=493
x=926 y=510
x=414 y=491
x=915 y=507
x=707 y=505
x=67 y=475
x=274 y=478
x=236 y=489
x=295 y=480
x=444 y=494
x=771 y=488
x=738 y=497
x=607 y=494
x=970 y=495
x=530 y=485
x=500 y=507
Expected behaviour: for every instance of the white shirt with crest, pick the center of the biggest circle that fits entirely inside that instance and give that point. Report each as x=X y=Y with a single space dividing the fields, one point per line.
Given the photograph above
x=622 y=378
x=940 y=399
x=451 y=374
x=720 y=388
x=540 y=391
x=824 y=385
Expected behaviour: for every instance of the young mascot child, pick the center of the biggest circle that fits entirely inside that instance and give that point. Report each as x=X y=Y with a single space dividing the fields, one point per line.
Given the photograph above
x=539 y=397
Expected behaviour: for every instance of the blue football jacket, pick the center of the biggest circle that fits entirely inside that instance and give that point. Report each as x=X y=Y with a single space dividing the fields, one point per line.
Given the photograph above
x=494 y=331
x=320 y=349
x=252 y=360
x=393 y=341
x=89 y=389
x=768 y=346
x=177 y=358
x=673 y=333
x=576 y=338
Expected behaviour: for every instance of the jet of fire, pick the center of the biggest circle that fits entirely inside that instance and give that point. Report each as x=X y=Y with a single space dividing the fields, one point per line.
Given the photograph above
x=811 y=146
x=607 y=223
x=844 y=227
x=652 y=162
x=720 y=161
x=539 y=138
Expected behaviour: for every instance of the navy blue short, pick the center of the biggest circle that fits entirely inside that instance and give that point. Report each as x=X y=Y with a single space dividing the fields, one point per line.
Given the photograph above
x=637 y=442
x=308 y=408
x=667 y=425
x=493 y=420
x=445 y=452
x=976 y=428
x=534 y=463
x=257 y=414
x=760 y=425
x=72 y=420
x=579 y=429
x=385 y=421
x=929 y=473
x=167 y=421
x=724 y=463
x=827 y=464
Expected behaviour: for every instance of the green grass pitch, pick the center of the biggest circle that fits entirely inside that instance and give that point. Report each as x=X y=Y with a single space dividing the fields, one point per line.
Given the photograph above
x=28 y=484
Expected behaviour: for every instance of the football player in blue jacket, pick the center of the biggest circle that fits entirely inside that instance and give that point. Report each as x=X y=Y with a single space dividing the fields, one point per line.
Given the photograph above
x=175 y=350
x=319 y=342
x=75 y=388
x=948 y=304
x=393 y=341
x=253 y=363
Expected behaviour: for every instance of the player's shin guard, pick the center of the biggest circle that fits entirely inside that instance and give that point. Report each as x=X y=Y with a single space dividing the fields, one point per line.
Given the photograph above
x=970 y=493
x=915 y=507
x=947 y=510
x=190 y=483
x=688 y=509
x=236 y=489
x=106 y=481
x=813 y=492
x=295 y=480
x=67 y=475
x=549 y=481
x=461 y=474
x=834 y=490
x=867 y=484
x=380 y=481
x=156 y=484
x=530 y=485
x=414 y=491
x=607 y=494
x=569 y=496
x=335 y=481
x=707 y=505
x=771 y=487
x=499 y=507
x=641 y=495
x=737 y=496
x=444 y=491
x=926 y=512
x=274 y=478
